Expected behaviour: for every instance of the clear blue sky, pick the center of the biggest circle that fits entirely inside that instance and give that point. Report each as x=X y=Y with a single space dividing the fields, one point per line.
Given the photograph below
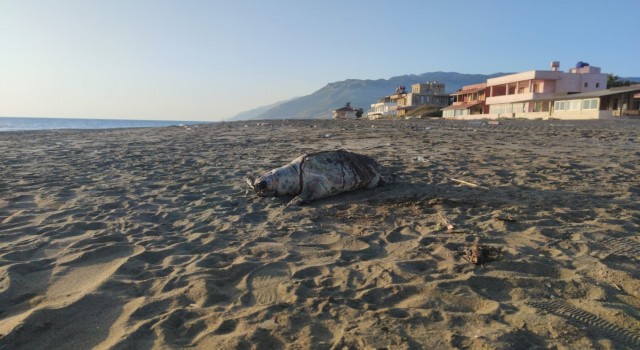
x=207 y=60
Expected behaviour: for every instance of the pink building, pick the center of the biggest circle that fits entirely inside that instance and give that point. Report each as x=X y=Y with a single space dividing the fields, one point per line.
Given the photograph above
x=531 y=94
x=580 y=93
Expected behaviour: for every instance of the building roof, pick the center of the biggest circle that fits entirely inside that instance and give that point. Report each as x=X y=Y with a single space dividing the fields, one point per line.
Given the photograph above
x=600 y=93
x=346 y=108
x=462 y=106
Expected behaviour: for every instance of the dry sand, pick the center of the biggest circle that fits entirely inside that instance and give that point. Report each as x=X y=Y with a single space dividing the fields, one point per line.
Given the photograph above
x=149 y=238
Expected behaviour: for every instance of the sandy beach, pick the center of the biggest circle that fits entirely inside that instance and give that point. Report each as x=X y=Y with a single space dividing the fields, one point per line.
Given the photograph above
x=151 y=238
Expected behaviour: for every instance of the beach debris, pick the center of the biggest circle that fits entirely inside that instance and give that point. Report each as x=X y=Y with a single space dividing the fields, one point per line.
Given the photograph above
x=506 y=218
x=319 y=175
x=481 y=254
x=420 y=159
x=447 y=224
x=468 y=183
x=554 y=242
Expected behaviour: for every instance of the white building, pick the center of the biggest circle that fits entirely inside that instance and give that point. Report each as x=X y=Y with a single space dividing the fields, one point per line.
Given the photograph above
x=382 y=109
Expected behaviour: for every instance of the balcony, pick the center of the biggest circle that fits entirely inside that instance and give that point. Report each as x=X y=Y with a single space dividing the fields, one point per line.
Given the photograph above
x=513 y=98
x=397 y=96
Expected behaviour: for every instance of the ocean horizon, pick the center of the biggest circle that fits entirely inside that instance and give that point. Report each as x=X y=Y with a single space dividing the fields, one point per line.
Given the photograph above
x=32 y=124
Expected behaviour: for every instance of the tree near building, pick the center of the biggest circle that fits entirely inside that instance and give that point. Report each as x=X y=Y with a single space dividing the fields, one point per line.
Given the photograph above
x=615 y=81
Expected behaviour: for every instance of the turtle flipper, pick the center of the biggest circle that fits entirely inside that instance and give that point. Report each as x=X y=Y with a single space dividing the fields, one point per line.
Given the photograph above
x=300 y=199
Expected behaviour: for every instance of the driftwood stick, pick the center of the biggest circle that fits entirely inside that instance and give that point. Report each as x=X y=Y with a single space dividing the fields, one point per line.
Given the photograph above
x=447 y=223
x=468 y=183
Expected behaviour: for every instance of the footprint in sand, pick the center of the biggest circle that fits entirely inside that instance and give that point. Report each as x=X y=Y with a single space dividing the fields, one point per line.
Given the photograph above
x=401 y=234
x=265 y=284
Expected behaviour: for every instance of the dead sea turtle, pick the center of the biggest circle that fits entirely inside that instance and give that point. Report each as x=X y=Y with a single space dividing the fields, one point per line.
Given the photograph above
x=319 y=175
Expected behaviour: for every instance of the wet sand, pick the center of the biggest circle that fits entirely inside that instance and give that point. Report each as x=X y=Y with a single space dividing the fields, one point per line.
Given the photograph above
x=150 y=238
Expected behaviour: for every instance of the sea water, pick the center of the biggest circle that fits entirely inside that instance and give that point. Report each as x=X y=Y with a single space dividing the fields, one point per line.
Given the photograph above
x=17 y=124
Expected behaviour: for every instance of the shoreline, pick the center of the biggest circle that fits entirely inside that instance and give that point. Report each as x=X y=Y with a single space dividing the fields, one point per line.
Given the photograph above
x=132 y=238
x=11 y=124
x=326 y=123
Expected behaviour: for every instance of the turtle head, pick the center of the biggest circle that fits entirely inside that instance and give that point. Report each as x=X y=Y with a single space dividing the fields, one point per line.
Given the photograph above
x=282 y=181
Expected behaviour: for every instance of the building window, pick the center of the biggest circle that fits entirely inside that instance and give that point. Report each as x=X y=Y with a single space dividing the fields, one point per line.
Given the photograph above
x=573 y=105
x=590 y=103
x=521 y=90
x=518 y=108
x=537 y=107
x=536 y=87
x=586 y=84
x=505 y=109
x=597 y=85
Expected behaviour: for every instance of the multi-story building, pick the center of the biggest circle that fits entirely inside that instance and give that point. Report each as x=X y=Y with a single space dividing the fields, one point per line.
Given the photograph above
x=533 y=91
x=580 y=93
x=470 y=100
x=429 y=94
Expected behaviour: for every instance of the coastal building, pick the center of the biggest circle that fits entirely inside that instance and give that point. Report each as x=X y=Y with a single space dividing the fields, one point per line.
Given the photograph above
x=384 y=108
x=580 y=93
x=532 y=92
x=470 y=100
x=621 y=101
x=426 y=94
x=346 y=112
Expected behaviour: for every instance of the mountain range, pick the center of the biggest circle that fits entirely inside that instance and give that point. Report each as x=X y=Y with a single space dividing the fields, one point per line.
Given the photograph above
x=360 y=93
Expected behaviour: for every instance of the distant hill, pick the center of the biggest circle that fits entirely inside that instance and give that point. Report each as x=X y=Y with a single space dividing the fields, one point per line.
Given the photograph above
x=361 y=94
x=256 y=112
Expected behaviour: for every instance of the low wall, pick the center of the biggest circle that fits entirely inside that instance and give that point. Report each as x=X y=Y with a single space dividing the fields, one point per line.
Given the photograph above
x=565 y=115
x=533 y=115
x=576 y=115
